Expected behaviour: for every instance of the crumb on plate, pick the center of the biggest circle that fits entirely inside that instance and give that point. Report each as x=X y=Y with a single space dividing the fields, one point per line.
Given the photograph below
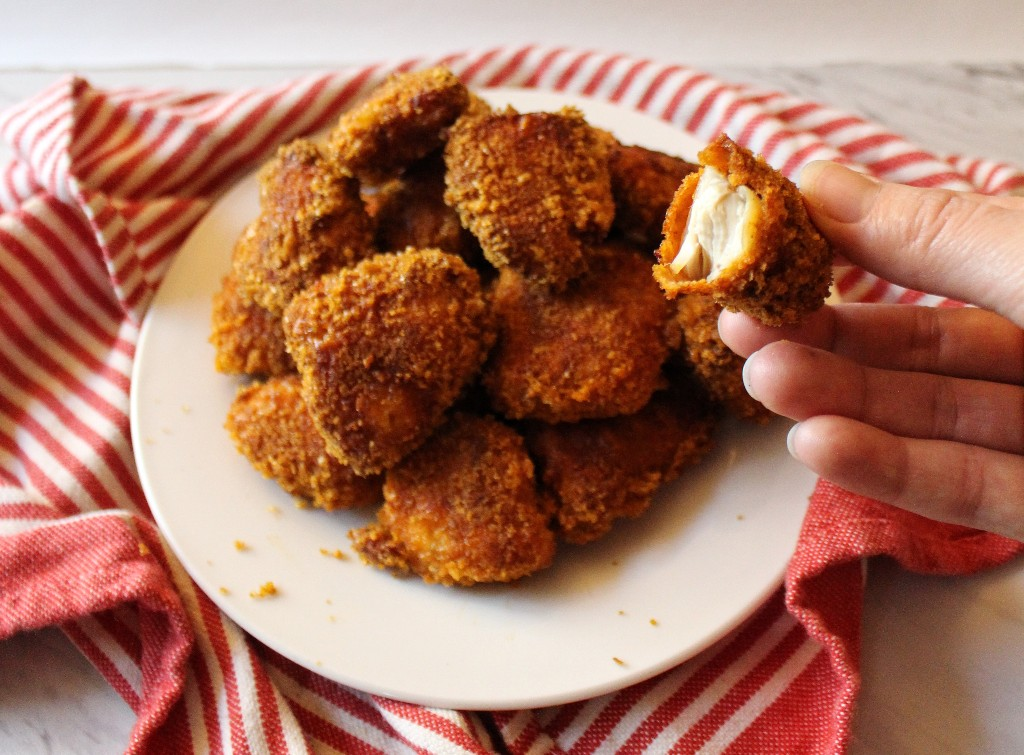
x=267 y=589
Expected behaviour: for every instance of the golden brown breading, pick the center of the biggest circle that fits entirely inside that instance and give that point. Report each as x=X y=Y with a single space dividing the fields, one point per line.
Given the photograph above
x=273 y=430
x=717 y=368
x=508 y=373
x=312 y=220
x=384 y=348
x=738 y=230
x=602 y=470
x=533 y=188
x=462 y=509
x=593 y=350
x=477 y=107
x=643 y=184
x=404 y=119
x=247 y=339
x=410 y=211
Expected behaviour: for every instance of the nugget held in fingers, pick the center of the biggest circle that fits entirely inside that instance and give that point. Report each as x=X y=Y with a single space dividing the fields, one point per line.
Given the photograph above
x=312 y=220
x=384 y=348
x=593 y=350
x=404 y=119
x=715 y=366
x=533 y=188
x=272 y=428
x=602 y=470
x=462 y=509
x=738 y=230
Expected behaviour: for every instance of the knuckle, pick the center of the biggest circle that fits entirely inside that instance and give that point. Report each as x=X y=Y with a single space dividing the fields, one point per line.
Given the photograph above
x=937 y=217
x=968 y=489
x=927 y=339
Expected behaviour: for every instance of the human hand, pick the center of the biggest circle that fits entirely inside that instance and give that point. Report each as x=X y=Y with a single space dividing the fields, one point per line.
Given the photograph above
x=917 y=406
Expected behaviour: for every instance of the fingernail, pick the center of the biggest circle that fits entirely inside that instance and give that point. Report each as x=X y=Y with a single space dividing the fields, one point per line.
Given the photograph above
x=791 y=441
x=836 y=192
x=746 y=376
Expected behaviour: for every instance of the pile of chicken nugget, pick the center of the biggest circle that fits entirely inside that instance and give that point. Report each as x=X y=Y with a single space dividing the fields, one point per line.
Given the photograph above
x=446 y=311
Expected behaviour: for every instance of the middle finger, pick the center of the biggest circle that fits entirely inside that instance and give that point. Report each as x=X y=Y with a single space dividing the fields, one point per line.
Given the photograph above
x=800 y=381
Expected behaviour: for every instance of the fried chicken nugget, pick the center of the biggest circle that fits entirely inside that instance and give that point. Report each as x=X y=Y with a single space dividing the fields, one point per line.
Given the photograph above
x=738 y=229
x=247 y=339
x=312 y=220
x=643 y=184
x=462 y=509
x=384 y=348
x=404 y=119
x=603 y=470
x=272 y=428
x=410 y=211
x=533 y=188
x=593 y=350
x=716 y=367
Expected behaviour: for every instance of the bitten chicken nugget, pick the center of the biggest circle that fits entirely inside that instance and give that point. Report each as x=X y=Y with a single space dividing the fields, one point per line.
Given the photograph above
x=312 y=220
x=738 y=229
x=273 y=430
x=716 y=367
x=246 y=338
x=533 y=188
x=410 y=211
x=462 y=509
x=593 y=350
x=384 y=348
x=643 y=184
x=602 y=470
x=404 y=119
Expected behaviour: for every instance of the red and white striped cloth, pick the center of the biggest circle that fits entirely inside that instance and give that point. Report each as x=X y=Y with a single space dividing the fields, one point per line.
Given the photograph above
x=105 y=186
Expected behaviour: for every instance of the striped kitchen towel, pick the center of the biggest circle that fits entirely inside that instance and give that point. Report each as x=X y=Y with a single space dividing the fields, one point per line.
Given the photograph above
x=105 y=186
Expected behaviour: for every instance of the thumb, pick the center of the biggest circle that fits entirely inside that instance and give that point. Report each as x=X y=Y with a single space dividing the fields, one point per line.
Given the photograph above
x=959 y=245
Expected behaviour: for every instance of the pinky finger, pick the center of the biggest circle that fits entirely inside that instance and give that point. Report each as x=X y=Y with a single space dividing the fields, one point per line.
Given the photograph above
x=943 y=480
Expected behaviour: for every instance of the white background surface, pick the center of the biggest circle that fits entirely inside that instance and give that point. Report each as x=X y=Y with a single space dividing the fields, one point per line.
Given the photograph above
x=943 y=658
x=66 y=33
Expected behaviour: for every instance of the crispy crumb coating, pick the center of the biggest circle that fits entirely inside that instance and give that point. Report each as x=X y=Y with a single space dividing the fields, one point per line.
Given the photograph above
x=462 y=509
x=384 y=348
x=247 y=339
x=477 y=107
x=410 y=211
x=602 y=470
x=716 y=367
x=643 y=184
x=533 y=188
x=508 y=374
x=593 y=350
x=404 y=119
x=312 y=220
x=271 y=427
x=786 y=272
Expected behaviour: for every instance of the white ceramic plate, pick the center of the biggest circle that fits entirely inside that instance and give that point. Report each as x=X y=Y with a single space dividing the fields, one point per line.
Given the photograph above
x=654 y=593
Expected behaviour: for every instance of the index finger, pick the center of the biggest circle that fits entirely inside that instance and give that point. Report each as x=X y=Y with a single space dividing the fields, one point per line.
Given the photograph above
x=967 y=343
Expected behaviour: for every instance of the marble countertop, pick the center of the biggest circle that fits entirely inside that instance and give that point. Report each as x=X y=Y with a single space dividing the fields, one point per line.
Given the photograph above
x=942 y=657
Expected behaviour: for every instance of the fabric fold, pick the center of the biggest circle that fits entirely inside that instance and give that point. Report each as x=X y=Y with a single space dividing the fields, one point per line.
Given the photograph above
x=111 y=567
